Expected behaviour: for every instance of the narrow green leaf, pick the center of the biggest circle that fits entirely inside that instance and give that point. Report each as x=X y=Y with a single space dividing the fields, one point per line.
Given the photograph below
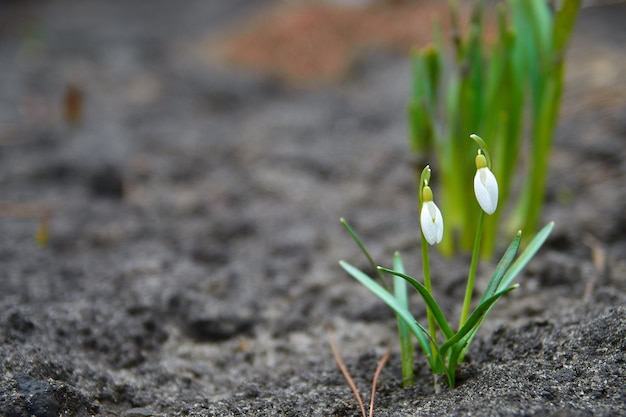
x=399 y=285
x=432 y=63
x=428 y=299
x=526 y=256
x=503 y=265
x=564 y=23
x=420 y=127
x=473 y=320
x=359 y=242
x=404 y=333
x=391 y=301
x=541 y=19
x=496 y=282
x=453 y=360
x=458 y=352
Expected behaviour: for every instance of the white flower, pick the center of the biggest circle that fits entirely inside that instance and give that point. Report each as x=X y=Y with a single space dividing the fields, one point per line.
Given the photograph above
x=485 y=186
x=431 y=219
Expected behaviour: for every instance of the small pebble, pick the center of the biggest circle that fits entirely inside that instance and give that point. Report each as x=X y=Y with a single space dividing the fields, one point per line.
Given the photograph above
x=138 y=412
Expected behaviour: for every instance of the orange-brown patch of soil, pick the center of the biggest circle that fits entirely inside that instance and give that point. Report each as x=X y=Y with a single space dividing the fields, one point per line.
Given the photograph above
x=315 y=43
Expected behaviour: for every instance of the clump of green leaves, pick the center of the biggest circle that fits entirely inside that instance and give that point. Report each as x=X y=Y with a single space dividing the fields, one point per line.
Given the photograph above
x=507 y=88
x=443 y=346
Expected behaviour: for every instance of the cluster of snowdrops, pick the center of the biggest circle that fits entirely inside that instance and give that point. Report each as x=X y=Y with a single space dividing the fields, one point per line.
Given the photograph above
x=444 y=347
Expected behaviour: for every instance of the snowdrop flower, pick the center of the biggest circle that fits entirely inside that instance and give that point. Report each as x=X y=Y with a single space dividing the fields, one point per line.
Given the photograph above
x=485 y=185
x=430 y=217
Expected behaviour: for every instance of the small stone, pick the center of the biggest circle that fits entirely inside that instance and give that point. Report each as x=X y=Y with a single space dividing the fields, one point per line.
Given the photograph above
x=138 y=412
x=38 y=395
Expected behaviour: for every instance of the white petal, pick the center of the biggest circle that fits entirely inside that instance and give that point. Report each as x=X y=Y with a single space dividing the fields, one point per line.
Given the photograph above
x=486 y=190
x=431 y=221
x=440 y=225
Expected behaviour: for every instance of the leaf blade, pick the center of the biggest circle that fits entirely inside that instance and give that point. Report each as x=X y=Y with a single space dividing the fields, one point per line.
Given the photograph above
x=391 y=301
x=428 y=299
x=404 y=332
x=526 y=256
x=474 y=319
x=506 y=261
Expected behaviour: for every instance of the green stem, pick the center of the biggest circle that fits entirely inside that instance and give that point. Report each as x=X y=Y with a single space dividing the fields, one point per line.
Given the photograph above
x=432 y=329
x=472 y=272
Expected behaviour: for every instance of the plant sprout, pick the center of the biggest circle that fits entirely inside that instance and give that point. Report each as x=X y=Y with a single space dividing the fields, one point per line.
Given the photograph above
x=445 y=353
x=506 y=83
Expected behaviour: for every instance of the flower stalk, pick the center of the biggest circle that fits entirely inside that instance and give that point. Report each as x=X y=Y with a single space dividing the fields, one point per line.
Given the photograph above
x=431 y=222
x=486 y=191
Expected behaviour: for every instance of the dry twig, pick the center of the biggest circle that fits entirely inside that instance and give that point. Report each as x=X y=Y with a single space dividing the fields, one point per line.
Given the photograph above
x=350 y=381
x=598 y=257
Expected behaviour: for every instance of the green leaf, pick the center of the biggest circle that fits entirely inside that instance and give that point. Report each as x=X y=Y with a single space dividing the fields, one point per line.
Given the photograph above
x=391 y=301
x=494 y=282
x=404 y=333
x=428 y=299
x=564 y=23
x=501 y=271
x=526 y=256
x=541 y=20
x=473 y=320
x=399 y=285
x=359 y=242
x=503 y=265
x=432 y=63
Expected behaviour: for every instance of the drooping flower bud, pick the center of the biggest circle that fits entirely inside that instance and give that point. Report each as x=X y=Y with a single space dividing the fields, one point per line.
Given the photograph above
x=431 y=219
x=485 y=185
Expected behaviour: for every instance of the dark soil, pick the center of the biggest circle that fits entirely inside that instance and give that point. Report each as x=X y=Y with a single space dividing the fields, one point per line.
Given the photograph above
x=191 y=207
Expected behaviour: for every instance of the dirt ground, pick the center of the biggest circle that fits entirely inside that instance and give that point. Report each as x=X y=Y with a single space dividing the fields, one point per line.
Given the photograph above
x=192 y=212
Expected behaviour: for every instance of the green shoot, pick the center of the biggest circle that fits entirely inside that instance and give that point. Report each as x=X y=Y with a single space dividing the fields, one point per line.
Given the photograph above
x=444 y=355
x=400 y=293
